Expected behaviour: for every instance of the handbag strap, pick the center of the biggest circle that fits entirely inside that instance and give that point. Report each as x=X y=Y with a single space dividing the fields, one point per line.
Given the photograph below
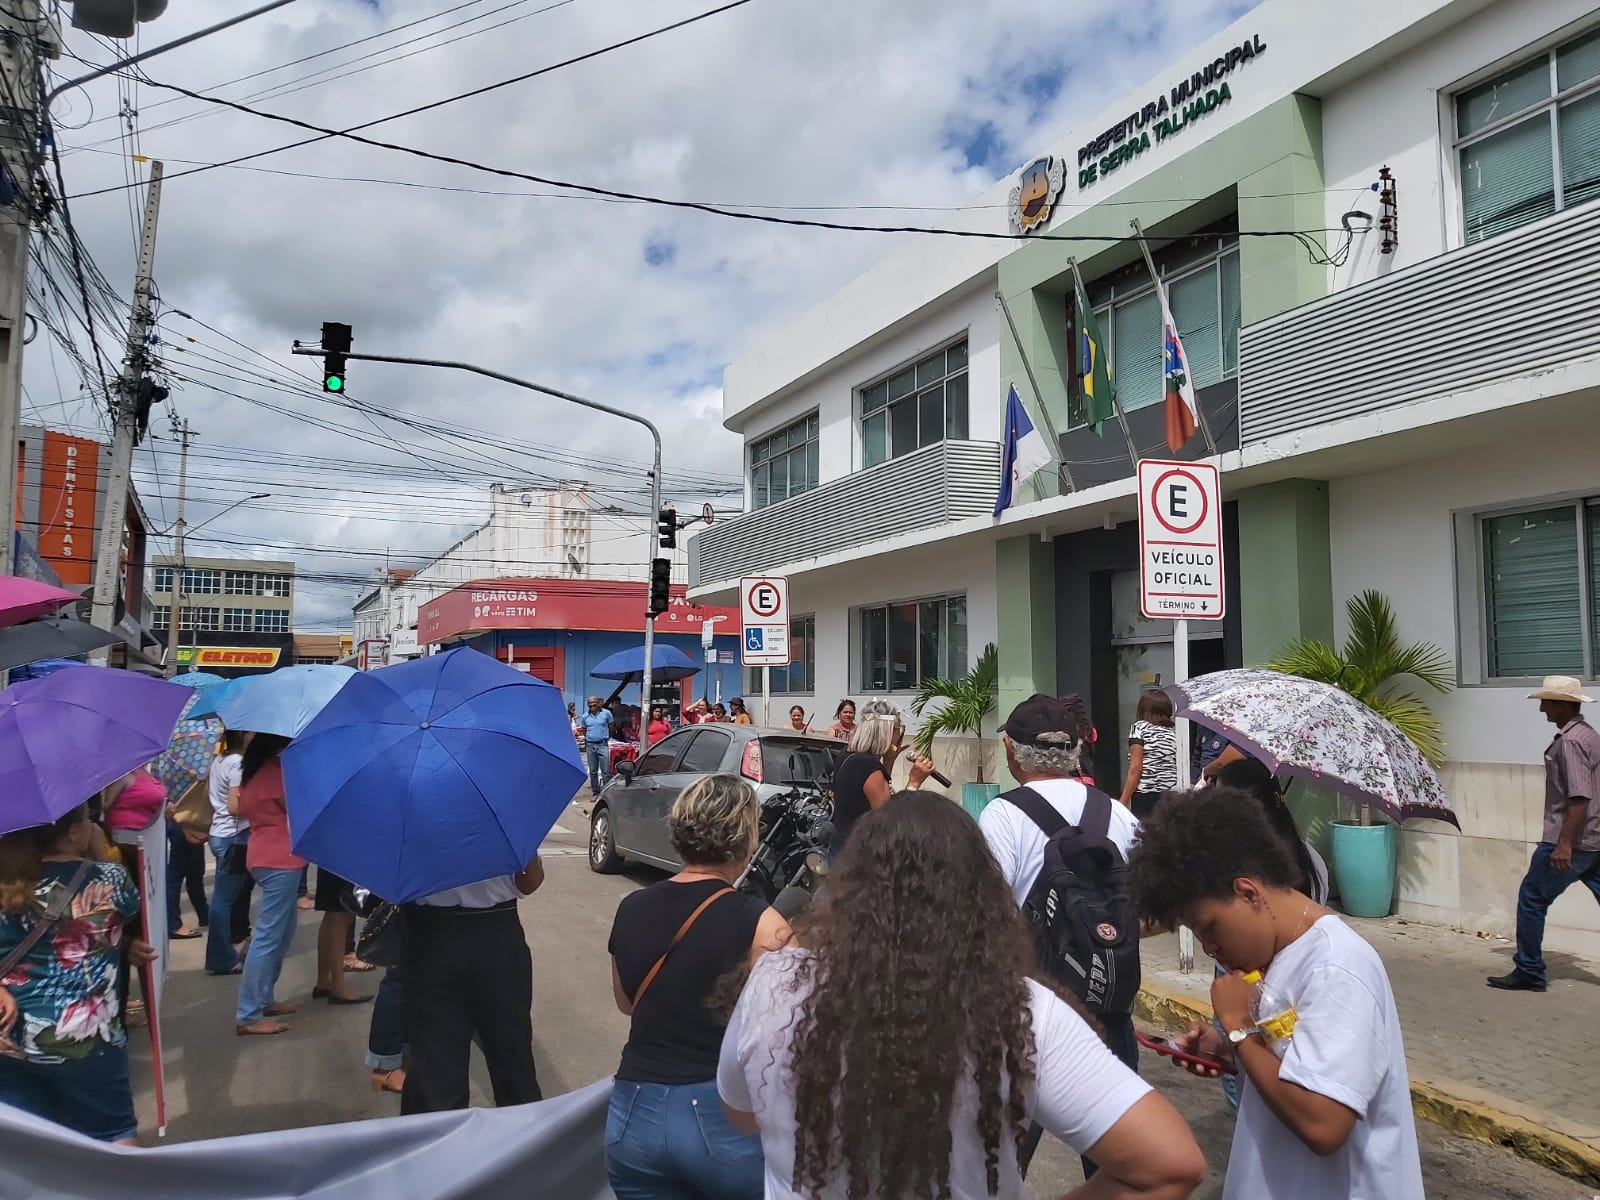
x=683 y=929
x=51 y=915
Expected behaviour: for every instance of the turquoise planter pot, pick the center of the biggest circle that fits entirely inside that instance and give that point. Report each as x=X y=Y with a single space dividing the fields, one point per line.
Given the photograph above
x=976 y=796
x=1364 y=867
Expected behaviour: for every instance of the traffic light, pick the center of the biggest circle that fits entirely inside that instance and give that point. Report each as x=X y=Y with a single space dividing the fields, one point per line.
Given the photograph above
x=667 y=528
x=335 y=345
x=660 y=585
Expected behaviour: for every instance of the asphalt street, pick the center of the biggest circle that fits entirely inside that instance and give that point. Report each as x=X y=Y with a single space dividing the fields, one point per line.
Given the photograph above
x=219 y=1084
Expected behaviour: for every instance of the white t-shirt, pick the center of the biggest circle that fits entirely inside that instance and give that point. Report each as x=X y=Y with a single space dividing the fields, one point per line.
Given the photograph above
x=1346 y=1046
x=225 y=769
x=1018 y=844
x=476 y=895
x=1081 y=1090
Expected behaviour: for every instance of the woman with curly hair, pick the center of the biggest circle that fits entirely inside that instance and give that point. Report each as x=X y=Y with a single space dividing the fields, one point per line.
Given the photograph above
x=666 y=1135
x=903 y=1050
x=1325 y=1111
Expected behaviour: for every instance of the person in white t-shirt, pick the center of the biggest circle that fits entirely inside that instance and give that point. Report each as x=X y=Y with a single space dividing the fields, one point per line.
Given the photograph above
x=1331 y=1119
x=230 y=894
x=902 y=1048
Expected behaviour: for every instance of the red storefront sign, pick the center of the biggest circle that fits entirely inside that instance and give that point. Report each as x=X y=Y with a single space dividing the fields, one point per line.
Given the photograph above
x=488 y=604
x=68 y=481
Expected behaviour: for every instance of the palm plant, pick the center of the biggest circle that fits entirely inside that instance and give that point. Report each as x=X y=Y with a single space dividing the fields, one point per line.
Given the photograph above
x=1370 y=667
x=967 y=700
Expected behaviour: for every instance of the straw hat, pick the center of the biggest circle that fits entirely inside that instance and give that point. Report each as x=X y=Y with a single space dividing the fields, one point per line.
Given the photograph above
x=1561 y=687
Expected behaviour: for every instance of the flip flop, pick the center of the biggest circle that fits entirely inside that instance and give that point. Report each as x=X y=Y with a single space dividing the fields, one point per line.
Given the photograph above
x=261 y=1029
x=184 y=935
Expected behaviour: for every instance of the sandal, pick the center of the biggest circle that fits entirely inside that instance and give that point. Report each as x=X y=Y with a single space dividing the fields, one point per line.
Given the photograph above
x=359 y=966
x=393 y=1081
x=261 y=1029
x=184 y=935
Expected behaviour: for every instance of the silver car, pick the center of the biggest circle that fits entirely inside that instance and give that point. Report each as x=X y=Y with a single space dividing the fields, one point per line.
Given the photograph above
x=629 y=820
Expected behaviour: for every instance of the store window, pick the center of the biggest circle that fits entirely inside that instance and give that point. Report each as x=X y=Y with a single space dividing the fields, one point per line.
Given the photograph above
x=784 y=463
x=1202 y=281
x=1541 y=576
x=1528 y=140
x=899 y=647
x=800 y=676
x=915 y=406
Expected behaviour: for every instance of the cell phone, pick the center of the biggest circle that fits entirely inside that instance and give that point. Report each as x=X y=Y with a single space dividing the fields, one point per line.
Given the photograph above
x=1183 y=1056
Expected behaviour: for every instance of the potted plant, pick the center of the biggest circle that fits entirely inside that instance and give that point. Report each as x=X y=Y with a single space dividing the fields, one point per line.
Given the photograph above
x=964 y=703
x=1371 y=666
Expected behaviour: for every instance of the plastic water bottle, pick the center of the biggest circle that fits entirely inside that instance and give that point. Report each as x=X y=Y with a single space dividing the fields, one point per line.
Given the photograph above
x=1273 y=1014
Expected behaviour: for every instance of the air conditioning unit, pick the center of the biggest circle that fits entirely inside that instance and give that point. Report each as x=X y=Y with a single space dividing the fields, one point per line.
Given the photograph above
x=115 y=18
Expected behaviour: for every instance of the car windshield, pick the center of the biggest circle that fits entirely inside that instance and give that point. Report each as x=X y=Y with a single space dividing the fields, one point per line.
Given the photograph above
x=798 y=760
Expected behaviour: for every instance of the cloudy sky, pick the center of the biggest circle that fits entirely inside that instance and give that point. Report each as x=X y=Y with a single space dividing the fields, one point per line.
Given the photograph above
x=861 y=106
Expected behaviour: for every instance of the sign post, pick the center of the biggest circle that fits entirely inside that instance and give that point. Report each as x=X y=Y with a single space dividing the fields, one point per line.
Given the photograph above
x=1181 y=576
x=764 y=630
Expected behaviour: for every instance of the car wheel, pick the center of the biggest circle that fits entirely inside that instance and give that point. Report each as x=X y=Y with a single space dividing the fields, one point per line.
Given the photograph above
x=603 y=856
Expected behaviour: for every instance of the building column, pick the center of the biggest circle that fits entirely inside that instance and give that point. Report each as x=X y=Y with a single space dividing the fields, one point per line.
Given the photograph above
x=1025 y=593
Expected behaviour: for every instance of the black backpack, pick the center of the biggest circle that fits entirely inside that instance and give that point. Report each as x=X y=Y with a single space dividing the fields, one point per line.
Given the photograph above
x=1084 y=924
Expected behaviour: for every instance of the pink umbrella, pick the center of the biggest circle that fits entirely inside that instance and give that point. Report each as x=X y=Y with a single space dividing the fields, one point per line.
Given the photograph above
x=24 y=599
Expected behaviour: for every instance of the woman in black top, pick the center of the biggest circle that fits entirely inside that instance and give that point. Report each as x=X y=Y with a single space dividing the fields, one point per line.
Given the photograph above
x=861 y=781
x=666 y=1135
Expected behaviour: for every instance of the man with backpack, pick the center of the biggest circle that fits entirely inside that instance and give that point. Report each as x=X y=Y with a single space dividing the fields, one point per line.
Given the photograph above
x=1062 y=845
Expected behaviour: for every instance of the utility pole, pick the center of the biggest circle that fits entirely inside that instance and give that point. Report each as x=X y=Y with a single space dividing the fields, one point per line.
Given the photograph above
x=26 y=35
x=125 y=419
x=175 y=615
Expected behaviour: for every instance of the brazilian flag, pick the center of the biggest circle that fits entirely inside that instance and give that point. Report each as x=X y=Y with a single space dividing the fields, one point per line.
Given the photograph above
x=1099 y=392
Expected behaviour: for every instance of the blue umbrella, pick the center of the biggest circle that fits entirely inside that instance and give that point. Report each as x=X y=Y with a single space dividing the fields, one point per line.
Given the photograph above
x=64 y=737
x=668 y=664
x=283 y=702
x=207 y=699
x=200 y=681
x=431 y=774
x=45 y=666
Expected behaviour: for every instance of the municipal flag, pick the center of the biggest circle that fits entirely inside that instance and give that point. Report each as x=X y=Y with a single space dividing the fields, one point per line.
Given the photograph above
x=1025 y=451
x=1099 y=390
x=1183 y=410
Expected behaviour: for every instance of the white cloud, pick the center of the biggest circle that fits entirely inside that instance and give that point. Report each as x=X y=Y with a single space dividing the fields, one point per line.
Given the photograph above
x=829 y=102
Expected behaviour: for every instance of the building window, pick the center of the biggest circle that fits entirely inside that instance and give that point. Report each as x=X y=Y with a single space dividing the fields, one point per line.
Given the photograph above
x=272 y=620
x=919 y=404
x=1541 y=576
x=164 y=580
x=784 y=463
x=241 y=583
x=201 y=618
x=257 y=583
x=275 y=585
x=1528 y=140
x=202 y=582
x=160 y=618
x=238 y=620
x=1202 y=282
x=800 y=676
x=902 y=646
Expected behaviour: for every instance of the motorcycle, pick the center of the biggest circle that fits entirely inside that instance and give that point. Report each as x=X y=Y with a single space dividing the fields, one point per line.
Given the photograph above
x=791 y=859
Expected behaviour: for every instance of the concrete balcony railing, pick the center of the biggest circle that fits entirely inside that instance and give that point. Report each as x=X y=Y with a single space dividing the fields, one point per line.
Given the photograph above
x=932 y=486
x=1512 y=306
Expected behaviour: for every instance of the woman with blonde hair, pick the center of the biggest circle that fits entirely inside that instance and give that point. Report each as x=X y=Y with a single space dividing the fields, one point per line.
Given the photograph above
x=861 y=782
x=670 y=944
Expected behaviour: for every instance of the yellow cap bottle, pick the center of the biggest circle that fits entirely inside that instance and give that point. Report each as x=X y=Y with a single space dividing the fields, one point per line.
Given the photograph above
x=1253 y=977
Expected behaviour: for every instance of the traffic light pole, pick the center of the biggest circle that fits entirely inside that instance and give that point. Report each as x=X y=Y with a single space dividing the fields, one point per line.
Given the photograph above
x=595 y=405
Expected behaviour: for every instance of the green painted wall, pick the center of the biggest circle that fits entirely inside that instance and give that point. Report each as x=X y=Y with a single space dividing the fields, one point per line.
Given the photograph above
x=1025 y=580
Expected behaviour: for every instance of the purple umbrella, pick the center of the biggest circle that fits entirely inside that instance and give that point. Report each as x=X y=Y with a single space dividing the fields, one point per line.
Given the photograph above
x=64 y=737
x=24 y=599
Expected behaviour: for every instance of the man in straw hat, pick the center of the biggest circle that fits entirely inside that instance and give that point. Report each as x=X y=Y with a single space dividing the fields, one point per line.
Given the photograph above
x=1569 y=849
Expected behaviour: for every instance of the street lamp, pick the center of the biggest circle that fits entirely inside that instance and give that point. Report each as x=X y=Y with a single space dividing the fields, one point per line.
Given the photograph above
x=175 y=612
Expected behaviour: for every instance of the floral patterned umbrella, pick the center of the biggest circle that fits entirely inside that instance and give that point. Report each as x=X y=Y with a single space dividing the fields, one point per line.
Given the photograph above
x=187 y=758
x=1307 y=729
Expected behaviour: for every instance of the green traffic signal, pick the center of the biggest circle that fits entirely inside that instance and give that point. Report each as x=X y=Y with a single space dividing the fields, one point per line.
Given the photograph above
x=333 y=383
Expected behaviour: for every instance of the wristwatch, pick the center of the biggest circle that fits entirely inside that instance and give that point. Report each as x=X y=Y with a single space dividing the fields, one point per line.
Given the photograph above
x=1238 y=1035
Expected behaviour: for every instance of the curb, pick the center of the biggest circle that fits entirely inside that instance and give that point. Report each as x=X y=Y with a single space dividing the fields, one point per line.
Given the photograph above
x=1526 y=1136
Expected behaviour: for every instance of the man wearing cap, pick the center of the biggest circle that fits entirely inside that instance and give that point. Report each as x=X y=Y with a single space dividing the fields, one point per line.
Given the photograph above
x=1569 y=850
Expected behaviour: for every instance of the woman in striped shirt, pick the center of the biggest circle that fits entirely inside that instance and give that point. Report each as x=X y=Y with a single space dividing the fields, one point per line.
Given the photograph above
x=1152 y=754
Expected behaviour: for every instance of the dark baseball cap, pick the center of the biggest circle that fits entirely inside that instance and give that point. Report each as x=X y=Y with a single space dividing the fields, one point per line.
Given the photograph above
x=1042 y=721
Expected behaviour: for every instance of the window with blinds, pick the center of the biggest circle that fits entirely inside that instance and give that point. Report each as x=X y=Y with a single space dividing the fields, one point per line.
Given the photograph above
x=1541 y=576
x=1528 y=140
x=1203 y=290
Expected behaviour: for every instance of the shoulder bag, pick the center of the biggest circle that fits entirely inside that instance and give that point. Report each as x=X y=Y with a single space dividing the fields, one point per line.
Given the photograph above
x=683 y=929
x=50 y=916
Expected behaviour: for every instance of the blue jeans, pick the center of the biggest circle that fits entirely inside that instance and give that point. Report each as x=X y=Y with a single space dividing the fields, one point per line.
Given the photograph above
x=1541 y=886
x=91 y=1094
x=274 y=932
x=599 y=755
x=186 y=868
x=226 y=891
x=674 y=1143
x=386 y=1036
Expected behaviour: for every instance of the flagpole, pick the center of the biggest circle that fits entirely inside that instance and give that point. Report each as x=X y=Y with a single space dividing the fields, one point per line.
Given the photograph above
x=1155 y=276
x=1116 y=405
x=1044 y=409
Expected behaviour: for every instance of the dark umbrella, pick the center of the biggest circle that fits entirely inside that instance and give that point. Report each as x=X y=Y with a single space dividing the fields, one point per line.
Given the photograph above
x=53 y=637
x=668 y=664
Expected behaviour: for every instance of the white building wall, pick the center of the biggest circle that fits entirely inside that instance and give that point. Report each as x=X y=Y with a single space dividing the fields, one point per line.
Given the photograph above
x=1397 y=531
x=1399 y=115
